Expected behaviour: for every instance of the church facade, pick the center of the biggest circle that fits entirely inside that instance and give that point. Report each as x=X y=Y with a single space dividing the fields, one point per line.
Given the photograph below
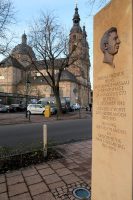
x=75 y=81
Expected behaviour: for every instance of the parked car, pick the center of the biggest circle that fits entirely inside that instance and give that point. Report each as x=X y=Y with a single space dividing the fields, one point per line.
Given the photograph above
x=4 y=108
x=22 y=107
x=35 y=109
x=71 y=108
x=75 y=106
x=11 y=108
x=53 y=109
x=65 y=103
x=17 y=107
x=89 y=107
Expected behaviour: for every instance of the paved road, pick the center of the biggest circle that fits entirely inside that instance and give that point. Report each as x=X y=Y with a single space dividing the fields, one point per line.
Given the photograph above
x=58 y=132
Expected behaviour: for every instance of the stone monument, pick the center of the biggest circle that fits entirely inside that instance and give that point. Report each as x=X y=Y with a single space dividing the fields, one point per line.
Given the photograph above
x=112 y=140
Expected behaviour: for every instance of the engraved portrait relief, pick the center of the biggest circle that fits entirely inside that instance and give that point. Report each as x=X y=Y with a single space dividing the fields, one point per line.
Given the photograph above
x=109 y=45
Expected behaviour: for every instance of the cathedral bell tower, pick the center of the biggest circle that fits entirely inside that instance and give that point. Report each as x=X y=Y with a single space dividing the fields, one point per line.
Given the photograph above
x=80 y=68
x=75 y=33
x=78 y=41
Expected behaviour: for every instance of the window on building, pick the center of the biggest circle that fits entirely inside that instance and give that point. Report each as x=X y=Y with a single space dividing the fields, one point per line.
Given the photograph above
x=1 y=89
x=38 y=74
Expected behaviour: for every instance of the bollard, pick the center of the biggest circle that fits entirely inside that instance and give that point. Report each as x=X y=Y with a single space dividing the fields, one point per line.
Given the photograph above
x=79 y=113
x=29 y=116
x=45 y=140
x=47 y=112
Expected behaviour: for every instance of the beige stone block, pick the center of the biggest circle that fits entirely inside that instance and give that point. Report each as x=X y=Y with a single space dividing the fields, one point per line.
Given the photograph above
x=112 y=107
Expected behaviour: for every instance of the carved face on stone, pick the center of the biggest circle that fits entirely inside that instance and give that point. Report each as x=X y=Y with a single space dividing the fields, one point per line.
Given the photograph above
x=110 y=44
x=113 y=43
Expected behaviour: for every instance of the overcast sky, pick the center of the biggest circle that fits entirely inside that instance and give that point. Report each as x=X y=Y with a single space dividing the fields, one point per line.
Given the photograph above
x=27 y=10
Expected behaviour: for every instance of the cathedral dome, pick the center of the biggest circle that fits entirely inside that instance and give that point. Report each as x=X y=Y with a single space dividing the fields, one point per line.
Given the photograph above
x=23 y=48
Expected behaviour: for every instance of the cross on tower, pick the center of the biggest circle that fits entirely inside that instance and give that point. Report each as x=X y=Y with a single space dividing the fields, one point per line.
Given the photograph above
x=76 y=3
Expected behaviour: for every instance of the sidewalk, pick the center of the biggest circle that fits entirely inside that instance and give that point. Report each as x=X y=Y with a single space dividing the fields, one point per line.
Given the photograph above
x=54 y=180
x=19 y=118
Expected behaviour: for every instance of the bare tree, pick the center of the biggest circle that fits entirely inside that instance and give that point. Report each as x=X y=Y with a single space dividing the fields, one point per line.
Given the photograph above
x=95 y=5
x=51 y=47
x=6 y=19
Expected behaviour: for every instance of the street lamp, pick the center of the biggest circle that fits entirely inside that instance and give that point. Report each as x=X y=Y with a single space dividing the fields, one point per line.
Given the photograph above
x=27 y=91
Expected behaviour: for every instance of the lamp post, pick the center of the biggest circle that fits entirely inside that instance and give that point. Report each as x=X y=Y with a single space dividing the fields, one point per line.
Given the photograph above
x=27 y=91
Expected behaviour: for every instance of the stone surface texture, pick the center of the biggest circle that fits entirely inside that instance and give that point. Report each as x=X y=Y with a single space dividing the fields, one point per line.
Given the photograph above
x=112 y=109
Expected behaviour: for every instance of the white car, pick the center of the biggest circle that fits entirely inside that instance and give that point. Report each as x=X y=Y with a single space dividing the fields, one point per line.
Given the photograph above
x=76 y=106
x=35 y=109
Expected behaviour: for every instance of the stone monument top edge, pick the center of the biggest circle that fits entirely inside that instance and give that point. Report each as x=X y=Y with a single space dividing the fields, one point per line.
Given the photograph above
x=108 y=4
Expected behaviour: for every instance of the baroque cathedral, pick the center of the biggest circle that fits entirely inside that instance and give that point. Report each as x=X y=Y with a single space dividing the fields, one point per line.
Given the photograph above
x=75 y=81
